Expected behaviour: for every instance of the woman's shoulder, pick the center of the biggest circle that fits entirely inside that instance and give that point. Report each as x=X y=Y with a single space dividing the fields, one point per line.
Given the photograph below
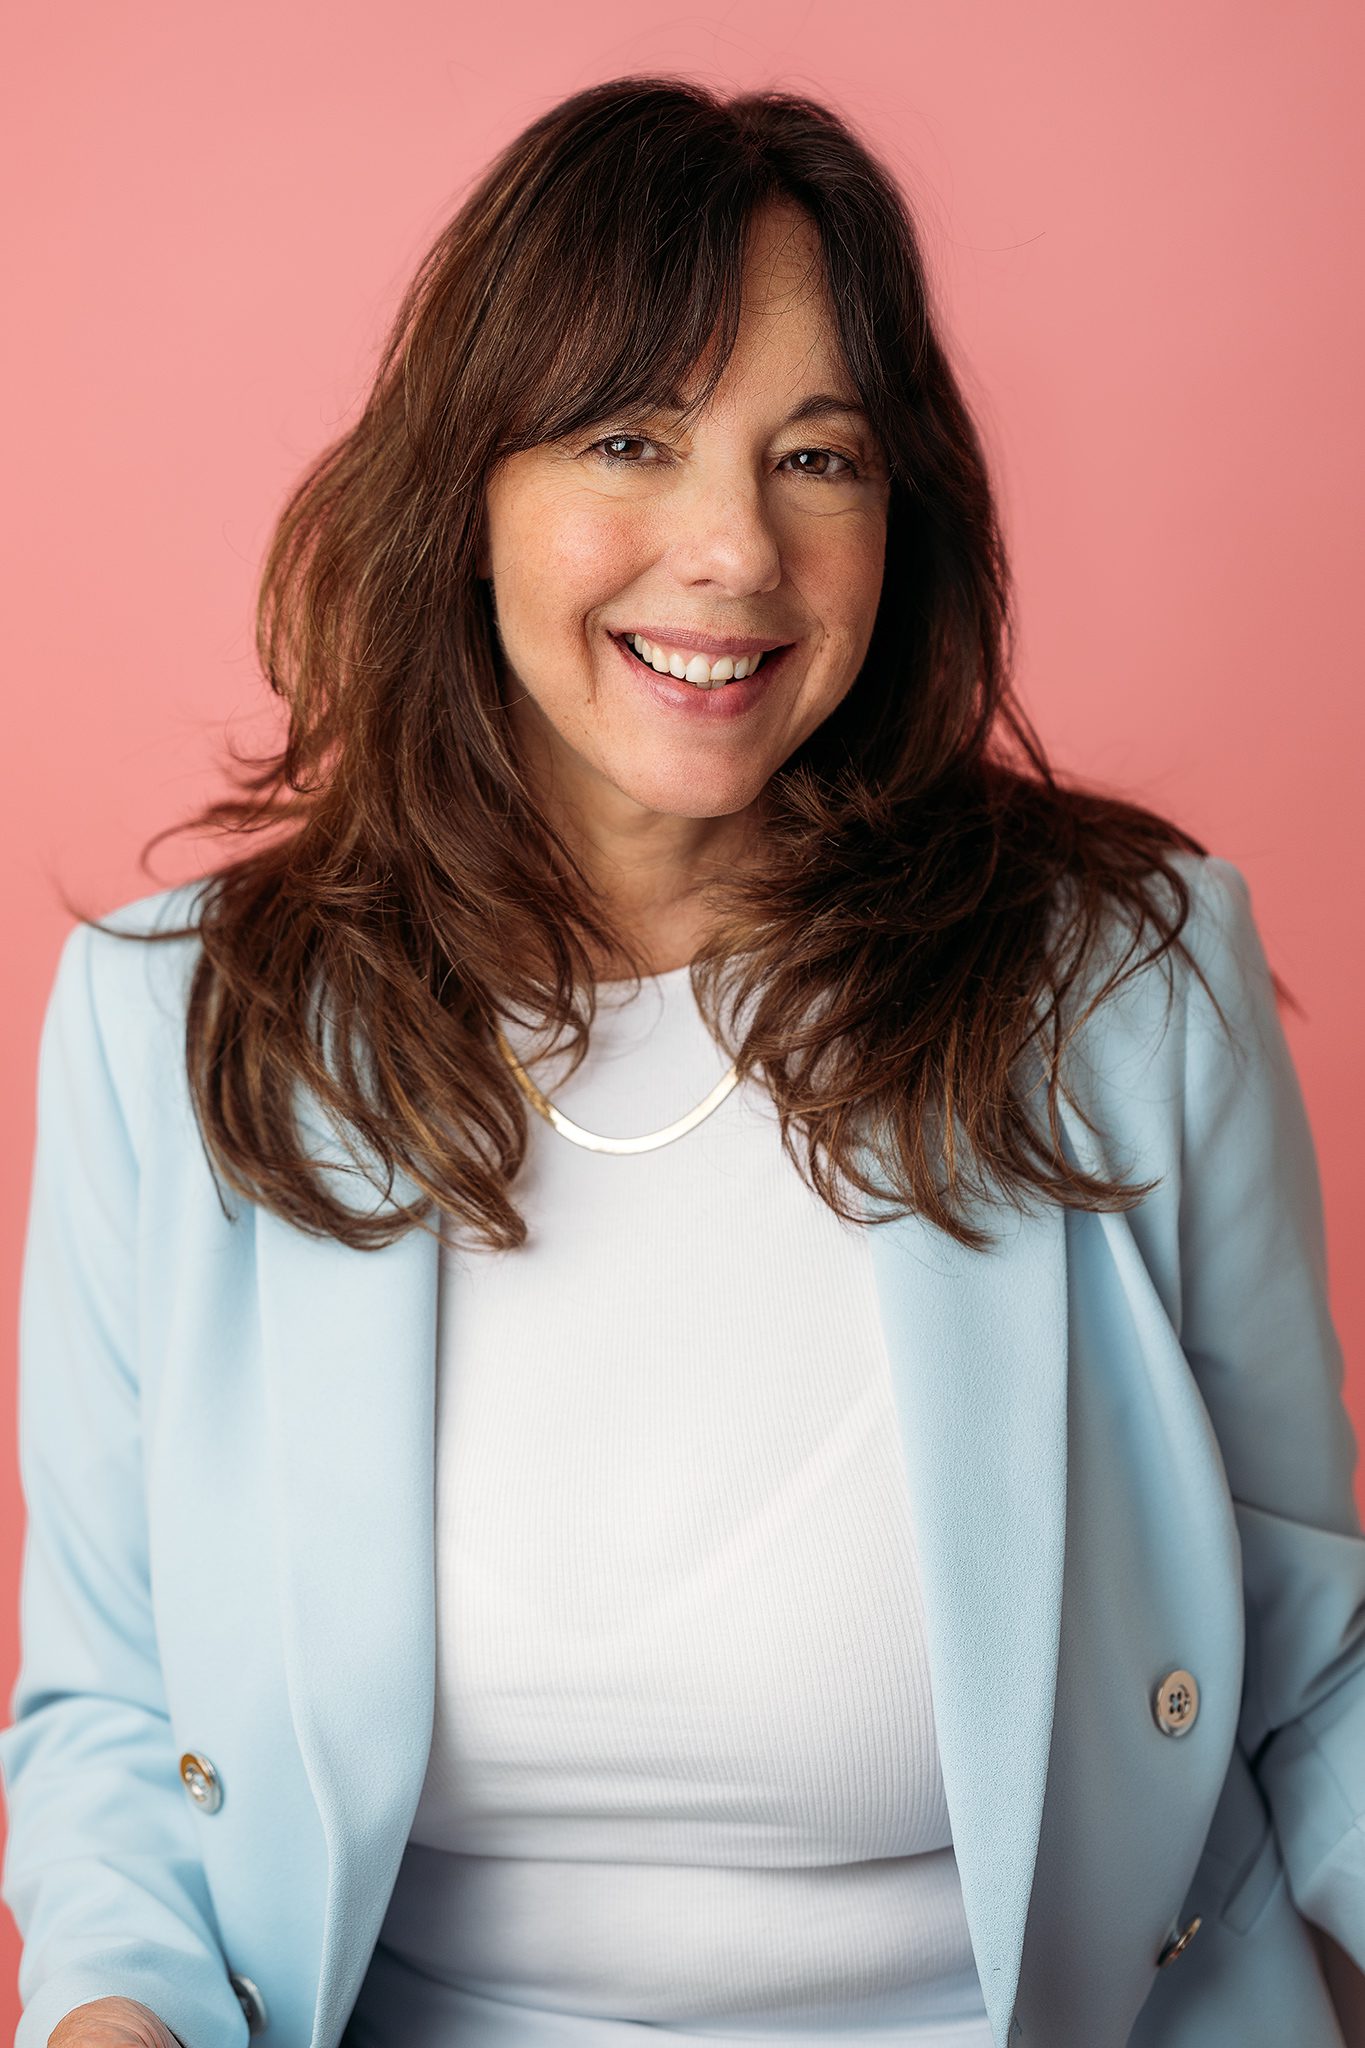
x=117 y=1004
x=138 y=953
x=1221 y=953
x=1176 y=1017
x=160 y=910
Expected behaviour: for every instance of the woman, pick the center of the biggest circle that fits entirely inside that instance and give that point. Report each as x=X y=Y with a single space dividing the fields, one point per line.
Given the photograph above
x=906 y=1590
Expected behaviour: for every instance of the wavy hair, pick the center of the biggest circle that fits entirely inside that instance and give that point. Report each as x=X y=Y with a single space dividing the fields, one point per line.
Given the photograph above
x=927 y=892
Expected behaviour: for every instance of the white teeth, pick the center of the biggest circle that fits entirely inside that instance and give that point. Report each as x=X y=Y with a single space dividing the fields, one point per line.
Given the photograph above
x=694 y=668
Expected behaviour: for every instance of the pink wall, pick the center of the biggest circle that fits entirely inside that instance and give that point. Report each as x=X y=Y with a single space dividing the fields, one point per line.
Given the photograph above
x=1144 y=227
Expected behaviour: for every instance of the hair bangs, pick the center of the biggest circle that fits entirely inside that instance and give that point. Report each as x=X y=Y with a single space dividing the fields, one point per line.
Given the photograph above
x=649 y=331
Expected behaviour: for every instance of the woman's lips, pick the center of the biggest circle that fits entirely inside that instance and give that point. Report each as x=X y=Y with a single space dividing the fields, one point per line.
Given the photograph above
x=730 y=700
x=695 y=642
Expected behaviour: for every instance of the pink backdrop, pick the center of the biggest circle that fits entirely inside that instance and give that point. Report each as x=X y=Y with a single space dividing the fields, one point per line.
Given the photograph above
x=1144 y=233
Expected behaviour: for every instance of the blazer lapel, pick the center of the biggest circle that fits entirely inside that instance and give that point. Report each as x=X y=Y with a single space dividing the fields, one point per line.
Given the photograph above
x=978 y=1348
x=350 y=1357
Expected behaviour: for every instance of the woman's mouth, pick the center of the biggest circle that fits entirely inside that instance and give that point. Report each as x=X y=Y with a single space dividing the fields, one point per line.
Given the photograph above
x=698 y=669
x=706 y=687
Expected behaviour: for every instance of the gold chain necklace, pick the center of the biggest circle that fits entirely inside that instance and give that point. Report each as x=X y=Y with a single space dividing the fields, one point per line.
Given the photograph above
x=594 y=1140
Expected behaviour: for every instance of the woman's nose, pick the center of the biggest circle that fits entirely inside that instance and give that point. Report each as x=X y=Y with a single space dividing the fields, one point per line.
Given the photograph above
x=722 y=533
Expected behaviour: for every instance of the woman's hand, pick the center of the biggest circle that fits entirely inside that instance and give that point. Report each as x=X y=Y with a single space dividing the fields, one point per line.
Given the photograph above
x=112 y=2023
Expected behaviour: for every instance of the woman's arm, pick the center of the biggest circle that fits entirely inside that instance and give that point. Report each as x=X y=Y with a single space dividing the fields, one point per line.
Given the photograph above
x=101 y=1870
x=1258 y=1332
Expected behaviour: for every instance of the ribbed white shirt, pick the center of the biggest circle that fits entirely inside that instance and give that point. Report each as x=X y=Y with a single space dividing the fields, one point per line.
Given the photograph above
x=684 y=1775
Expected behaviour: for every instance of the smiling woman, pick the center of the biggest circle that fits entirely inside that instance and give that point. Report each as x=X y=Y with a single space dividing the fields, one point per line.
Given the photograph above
x=522 y=1557
x=722 y=538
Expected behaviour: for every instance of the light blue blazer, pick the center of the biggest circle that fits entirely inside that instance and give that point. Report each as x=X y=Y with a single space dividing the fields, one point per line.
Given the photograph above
x=1127 y=1452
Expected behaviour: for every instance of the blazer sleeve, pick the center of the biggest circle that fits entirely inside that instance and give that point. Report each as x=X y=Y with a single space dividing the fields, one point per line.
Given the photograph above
x=1258 y=1331
x=101 y=1870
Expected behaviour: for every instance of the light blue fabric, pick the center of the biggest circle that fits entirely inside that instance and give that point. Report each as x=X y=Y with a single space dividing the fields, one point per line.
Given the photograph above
x=1128 y=1452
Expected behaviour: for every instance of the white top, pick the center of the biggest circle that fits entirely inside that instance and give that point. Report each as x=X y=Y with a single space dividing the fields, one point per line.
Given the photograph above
x=684 y=1774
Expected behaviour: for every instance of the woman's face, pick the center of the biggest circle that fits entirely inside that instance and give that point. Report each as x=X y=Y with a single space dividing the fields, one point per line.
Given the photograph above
x=765 y=521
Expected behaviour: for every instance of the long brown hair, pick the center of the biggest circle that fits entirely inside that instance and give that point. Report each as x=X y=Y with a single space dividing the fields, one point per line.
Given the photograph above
x=927 y=892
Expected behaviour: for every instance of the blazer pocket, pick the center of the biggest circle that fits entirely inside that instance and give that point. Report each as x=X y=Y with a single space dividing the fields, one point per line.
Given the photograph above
x=1251 y=1890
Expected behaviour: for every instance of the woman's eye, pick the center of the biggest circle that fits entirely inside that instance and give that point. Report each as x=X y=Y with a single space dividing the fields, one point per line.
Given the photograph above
x=611 y=443
x=826 y=455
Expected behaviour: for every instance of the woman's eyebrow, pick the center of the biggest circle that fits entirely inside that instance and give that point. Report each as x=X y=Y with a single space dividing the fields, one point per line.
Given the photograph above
x=824 y=403
x=820 y=405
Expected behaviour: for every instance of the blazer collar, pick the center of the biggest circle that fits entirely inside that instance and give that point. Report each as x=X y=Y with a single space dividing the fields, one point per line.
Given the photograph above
x=978 y=1349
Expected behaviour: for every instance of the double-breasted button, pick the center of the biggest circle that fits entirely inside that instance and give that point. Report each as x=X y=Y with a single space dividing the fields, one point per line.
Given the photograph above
x=201 y=1780
x=251 y=2002
x=1178 y=1946
x=1176 y=1704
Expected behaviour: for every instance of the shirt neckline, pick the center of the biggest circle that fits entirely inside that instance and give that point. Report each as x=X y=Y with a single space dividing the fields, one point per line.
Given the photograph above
x=670 y=974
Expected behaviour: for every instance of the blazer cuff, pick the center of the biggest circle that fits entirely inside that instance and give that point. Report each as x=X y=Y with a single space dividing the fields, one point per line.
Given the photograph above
x=187 y=1993
x=1305 y=1772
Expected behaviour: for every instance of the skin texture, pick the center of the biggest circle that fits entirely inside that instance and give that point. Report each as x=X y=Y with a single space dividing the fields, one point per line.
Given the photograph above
x=728 y=527
x=111 y=2023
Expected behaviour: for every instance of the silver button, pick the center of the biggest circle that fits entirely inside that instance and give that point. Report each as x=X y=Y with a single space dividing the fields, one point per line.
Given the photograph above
x=1180 y=1944
x=201 y=1781
x=1176 y=1704
x=251 y=2002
